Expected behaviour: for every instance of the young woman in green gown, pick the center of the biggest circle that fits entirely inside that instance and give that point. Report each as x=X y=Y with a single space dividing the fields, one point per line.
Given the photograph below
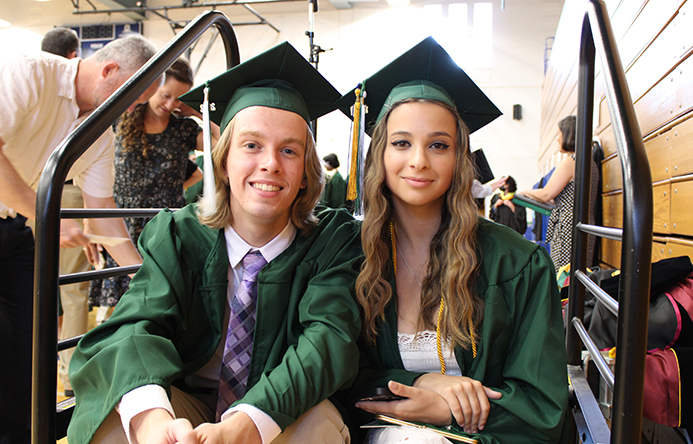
x=462 y=316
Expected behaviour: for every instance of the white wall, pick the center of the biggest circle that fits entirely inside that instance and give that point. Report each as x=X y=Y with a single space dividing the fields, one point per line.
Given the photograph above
x=364 y=39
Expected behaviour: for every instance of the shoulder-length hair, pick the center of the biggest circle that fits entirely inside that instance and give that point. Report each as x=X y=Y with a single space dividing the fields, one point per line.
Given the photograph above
x=568 y=128
x=452 y=263
x=302 y=209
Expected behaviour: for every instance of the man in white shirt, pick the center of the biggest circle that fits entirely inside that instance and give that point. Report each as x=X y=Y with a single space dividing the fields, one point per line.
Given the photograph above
x=43 y=99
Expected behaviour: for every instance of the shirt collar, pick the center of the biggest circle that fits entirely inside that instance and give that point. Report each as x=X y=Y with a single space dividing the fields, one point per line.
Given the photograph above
x=68 y=89
x=237 y=248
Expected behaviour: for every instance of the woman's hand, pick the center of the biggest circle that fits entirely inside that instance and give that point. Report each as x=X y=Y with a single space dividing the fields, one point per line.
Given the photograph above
x=421 y=405
x=467 y=398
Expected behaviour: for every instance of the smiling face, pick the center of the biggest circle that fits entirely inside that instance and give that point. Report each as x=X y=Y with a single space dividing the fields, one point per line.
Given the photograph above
x=265 y=168
x=165 y=100
x=419 y=156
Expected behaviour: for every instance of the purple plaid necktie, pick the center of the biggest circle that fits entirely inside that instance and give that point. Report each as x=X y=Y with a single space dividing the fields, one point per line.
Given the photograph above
x=239 y=336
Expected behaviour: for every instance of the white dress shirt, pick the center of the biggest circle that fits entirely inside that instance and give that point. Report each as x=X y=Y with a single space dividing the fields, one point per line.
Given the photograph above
x=153 y=396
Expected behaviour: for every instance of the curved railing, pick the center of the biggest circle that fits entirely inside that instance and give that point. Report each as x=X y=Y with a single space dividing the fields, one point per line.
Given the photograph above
x=634 y=292
x=48 y=214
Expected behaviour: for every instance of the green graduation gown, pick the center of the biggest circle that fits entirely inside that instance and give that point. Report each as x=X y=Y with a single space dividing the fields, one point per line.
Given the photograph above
x=168 y=325
x=334 y=195
x=521 y=350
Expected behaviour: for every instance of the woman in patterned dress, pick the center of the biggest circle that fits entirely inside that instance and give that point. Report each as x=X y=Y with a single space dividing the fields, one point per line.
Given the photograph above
x=151 y=163
x=561 y=189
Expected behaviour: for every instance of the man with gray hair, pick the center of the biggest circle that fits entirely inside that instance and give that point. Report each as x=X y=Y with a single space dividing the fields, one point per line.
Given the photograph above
x=61 y=41
x=44 y=98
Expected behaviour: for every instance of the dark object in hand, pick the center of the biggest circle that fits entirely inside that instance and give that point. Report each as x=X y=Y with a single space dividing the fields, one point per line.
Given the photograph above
x=379 y=394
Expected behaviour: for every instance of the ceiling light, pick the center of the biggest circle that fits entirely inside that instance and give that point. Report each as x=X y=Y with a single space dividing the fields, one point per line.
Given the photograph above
x=398 y=2
x=4 y=24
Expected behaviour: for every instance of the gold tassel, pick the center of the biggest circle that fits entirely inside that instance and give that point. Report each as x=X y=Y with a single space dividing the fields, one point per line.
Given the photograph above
x=352 y=190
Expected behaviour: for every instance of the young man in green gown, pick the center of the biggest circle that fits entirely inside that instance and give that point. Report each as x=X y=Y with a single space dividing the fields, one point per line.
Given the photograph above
x=155 y=371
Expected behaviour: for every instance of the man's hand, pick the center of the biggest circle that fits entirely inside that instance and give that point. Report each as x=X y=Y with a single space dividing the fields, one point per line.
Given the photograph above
x=92 y=251
x=237 y=429
x=71 y=234
x=157 y=426
x=467 y=398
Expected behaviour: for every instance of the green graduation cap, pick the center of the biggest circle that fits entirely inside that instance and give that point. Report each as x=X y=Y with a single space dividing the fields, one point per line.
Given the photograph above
x=278 y=78
x=426 y=71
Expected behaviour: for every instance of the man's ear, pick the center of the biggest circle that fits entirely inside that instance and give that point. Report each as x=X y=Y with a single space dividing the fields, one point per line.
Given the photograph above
x=109 y=68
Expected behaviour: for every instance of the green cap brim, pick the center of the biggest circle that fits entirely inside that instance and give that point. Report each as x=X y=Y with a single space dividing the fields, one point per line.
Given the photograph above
x=278 y=78
x=426 y=71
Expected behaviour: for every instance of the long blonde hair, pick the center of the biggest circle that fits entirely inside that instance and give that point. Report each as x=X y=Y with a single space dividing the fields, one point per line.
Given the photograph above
x=302 y=209
x=452 y=263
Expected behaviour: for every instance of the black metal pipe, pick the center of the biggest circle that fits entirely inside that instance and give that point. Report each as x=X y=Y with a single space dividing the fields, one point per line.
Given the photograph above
x=45 y=338
x=68 y=343
x=88 y=213
x=636 y=249
x=90 y=275
x=581 y=205
x=188 y=6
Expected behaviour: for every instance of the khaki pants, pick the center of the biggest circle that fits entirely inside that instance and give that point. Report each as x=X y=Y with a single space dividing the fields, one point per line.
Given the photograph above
x=74 y=296
x=320 y=425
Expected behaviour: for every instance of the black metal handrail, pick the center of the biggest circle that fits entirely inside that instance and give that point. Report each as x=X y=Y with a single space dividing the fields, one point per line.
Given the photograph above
x=87 y=213
x=45 y=338
x=636 y=246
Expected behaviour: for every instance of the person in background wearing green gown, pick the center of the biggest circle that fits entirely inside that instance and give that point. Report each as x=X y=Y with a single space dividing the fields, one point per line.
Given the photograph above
x=334 y=195
x=240 y=323
x=462 y=316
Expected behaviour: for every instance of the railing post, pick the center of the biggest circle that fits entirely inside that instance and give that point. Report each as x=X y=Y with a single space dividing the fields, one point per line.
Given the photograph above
x=46 y=293
x=636 y=249
x=581 y=206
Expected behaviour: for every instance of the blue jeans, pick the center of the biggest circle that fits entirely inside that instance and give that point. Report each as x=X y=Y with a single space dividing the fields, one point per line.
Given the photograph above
x=16 y=304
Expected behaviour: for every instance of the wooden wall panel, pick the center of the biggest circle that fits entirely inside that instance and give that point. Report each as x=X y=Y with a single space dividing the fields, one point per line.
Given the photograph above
x=623 y=16
x=611 y=253
x=611 y=175
x=680 y=247
x=682 y=207
x=681 y=137
x=659 y=154
x=684 y=24
x=661 y=197
x=613 y=210
x=660 y=251
x=656 y=107
x=608 y=141
x=654 y=63
x=653 y=17
x=684 y=85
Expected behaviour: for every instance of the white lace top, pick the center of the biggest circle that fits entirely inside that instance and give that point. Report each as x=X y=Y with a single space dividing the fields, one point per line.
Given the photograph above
x=419 y=354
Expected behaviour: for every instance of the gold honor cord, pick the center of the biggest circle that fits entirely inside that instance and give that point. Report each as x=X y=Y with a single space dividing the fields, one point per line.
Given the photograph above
x=353 y=172
x=439 y=346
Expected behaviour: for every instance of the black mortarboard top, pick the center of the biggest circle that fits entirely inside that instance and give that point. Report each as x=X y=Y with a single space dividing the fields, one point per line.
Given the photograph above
x=426 y=71
x=278 y=78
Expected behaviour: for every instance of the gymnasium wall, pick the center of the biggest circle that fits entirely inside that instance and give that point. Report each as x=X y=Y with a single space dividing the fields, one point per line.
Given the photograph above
x=655 y=43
